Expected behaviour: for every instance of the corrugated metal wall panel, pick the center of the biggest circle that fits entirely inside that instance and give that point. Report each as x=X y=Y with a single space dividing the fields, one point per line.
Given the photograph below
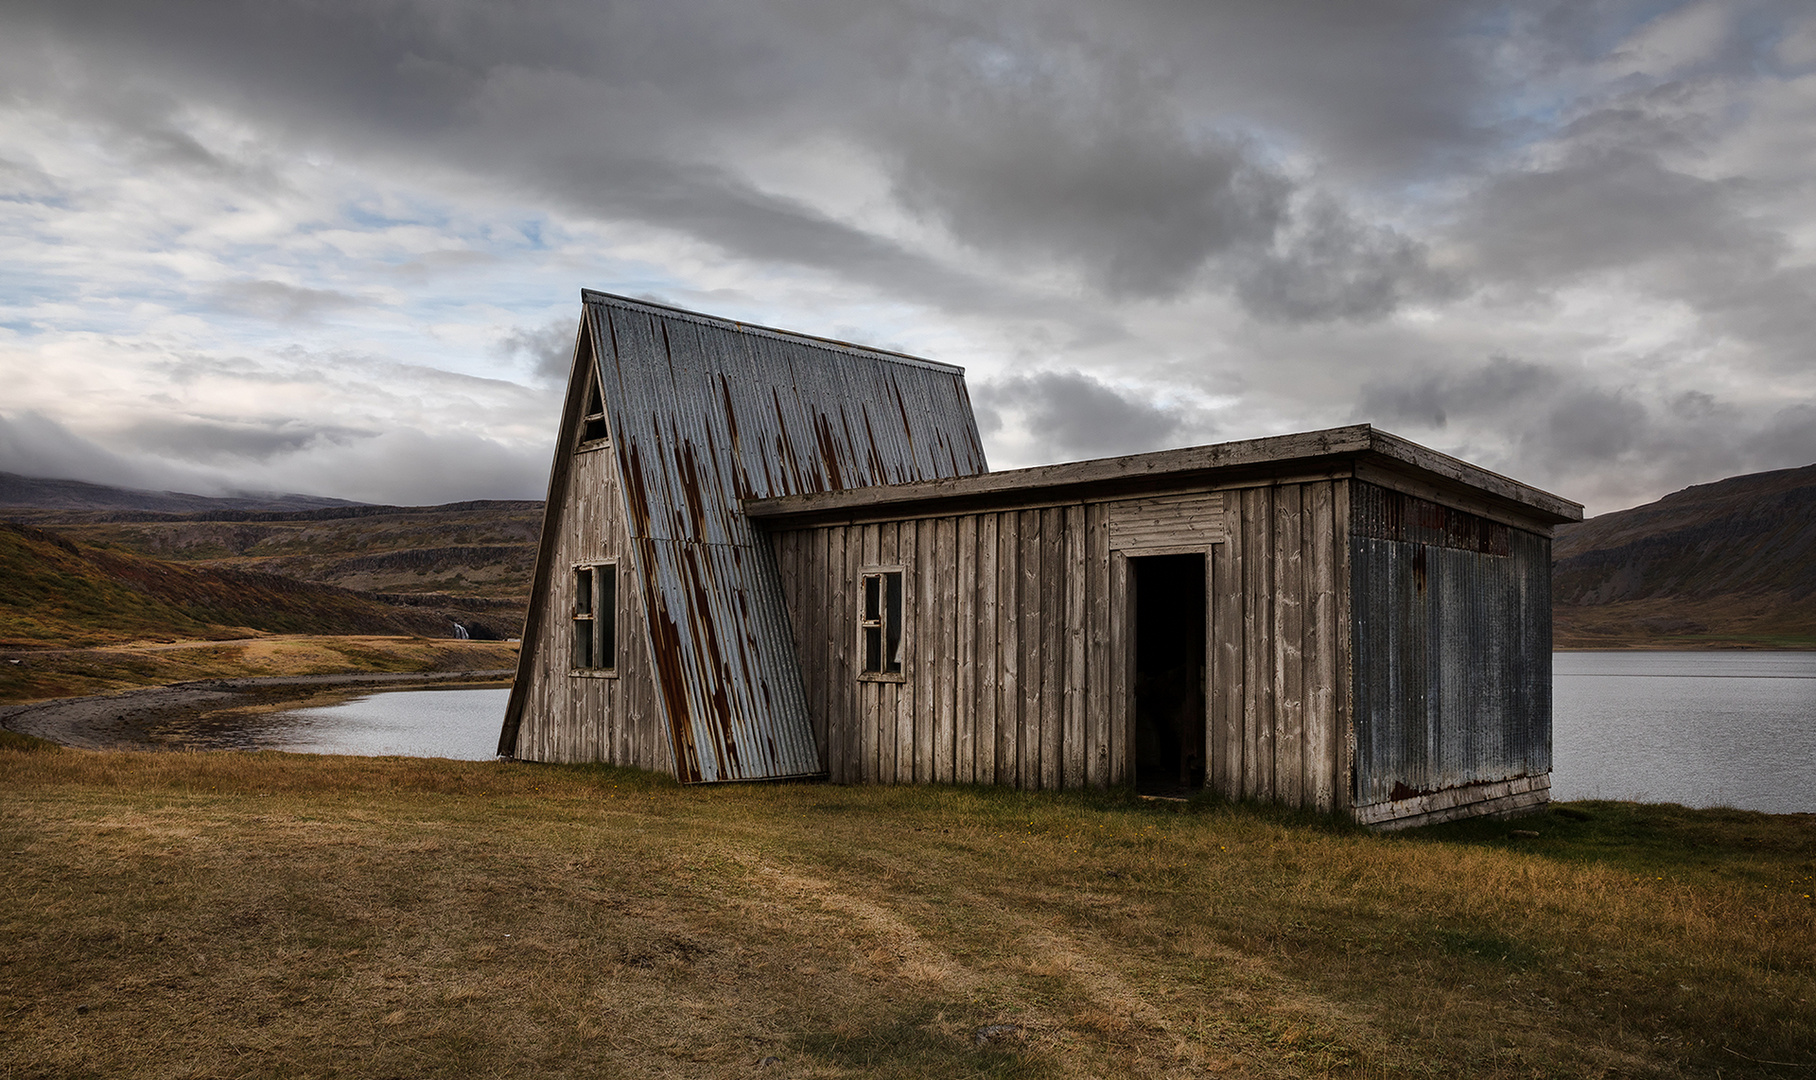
x=1452 y=648
x=704 y=413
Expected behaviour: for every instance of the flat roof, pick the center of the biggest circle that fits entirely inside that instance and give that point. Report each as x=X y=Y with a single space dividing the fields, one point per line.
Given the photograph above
x=1171 y=468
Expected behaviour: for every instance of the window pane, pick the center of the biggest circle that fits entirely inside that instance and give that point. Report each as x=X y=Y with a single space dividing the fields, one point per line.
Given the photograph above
x=873 y=607
x=583 y=591
x=607 y=616
x=892 y=622
x=583 y=643
x=873 y=648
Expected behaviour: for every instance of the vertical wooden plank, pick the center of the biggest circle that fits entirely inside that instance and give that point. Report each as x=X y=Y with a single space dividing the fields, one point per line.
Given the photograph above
x=926 y=675
x=1321 y=670
x=1076 y=571
x=1258 y=701
x=867 y=708
x=898 y=550
x=945 y=677
x=1343 y=752
x=839 y=643
x=1122 y=671
x=989 y=661
x=964 y=639
x=1227 y=618
x=910 y=728
x=1097 y=646
x=1054 y=576
x=1289 y=645
x=797 y=555
x=1027 y=769
x=1008 y=647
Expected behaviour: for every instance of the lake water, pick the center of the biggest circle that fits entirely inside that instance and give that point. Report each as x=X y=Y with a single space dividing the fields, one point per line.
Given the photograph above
x=461 y=724
x=1698 y=728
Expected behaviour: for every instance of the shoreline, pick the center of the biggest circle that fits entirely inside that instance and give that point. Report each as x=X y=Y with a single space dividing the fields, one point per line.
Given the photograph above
x=133 y=719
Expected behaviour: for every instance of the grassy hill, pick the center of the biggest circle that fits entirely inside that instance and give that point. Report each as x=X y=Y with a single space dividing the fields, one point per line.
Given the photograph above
x=1728 y=563
x=276 y=915
x=56 y=593
x=474 y=556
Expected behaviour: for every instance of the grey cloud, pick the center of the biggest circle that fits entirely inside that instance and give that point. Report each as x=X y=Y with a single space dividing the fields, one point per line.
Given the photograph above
x=410 y=466
x=1607 y=210
x=277 y=302
x=1070 y=415
x=1131 y=201
x=549 y=349
x=220 y=442
x=32 y=444
x=1332 y=266
x=1599 y=445
x=1035 y=134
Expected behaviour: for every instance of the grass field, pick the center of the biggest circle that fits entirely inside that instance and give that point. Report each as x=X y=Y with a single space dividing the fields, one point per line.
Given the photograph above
x=234 y=915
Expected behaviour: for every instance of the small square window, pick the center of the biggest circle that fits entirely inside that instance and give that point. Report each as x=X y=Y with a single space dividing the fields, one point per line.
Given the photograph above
x=880 y=623
x=595 y=618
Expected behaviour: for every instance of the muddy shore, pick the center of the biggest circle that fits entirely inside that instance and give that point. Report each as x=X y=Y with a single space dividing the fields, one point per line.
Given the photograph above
x=201 y=714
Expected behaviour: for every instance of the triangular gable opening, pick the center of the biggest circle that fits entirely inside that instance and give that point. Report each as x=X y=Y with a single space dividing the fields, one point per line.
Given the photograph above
x=593 y=428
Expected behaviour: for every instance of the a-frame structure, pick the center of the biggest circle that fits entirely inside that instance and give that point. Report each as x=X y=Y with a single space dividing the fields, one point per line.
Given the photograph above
x=657 y=635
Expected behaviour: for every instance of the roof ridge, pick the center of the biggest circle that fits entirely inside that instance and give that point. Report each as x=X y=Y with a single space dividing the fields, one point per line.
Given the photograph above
x=595 y=296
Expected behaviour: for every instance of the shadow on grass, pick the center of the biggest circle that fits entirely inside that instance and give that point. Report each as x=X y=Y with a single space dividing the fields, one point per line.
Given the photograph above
x=1653 y=838
x=923 y=1044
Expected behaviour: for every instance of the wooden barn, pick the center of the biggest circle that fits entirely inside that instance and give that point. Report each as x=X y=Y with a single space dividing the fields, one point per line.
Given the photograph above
x=768 y=555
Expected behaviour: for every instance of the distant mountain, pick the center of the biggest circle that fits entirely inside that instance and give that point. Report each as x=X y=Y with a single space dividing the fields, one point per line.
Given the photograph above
x=29 y=493
x=1728 y=563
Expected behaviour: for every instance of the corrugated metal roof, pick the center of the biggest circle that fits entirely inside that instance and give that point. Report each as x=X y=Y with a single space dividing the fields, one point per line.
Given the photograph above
x=705 y=412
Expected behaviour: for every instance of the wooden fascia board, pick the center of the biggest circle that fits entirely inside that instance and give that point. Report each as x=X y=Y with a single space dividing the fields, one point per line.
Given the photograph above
x=1059 y=495
x=1134 y=472
x=1329 y=452
x=571 y=410
x=1458 y=474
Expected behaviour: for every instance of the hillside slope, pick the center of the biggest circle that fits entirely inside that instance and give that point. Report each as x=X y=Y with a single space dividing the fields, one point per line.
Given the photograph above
x=55 y=593
x=476 y=557
x=1727 y=563
x=34 y=493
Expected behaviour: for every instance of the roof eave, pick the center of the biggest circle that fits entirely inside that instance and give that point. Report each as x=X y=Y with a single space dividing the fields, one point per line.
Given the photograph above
x=1169 y=468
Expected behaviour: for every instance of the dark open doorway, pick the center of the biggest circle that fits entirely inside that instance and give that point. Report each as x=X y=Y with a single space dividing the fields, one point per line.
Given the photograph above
x=1169 y=673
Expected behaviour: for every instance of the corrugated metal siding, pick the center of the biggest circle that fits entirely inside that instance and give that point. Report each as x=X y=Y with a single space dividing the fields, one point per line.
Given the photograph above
x=1452 y=648
x=705 y=412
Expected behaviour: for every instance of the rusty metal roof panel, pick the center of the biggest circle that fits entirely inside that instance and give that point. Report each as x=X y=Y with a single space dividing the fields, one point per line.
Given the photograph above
x=705 y=412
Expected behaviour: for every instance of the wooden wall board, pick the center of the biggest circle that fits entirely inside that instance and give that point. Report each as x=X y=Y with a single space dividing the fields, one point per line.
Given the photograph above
x=988 y=663
x=1289 y=636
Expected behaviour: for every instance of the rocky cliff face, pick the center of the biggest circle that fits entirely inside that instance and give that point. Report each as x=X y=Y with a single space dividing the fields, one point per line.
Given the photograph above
x=1728 y=563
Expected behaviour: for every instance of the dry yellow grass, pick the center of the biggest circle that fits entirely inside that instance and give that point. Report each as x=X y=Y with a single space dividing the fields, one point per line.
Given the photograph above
x=230 y=915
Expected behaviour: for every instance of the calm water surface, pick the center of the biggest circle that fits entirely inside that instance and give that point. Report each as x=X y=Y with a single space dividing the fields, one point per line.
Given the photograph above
x=461 y=724
x=1698 y=728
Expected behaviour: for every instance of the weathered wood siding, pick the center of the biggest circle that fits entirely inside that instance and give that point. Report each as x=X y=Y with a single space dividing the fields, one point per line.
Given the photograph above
x=1019 y=641
x=574 y=718
x=1453 y=657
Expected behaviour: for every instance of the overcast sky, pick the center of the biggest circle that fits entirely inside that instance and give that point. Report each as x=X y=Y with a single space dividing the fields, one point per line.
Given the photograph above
x=336 y=246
